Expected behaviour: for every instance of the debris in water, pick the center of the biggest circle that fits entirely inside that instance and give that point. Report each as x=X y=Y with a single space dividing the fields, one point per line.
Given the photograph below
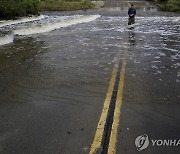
x=69 y=132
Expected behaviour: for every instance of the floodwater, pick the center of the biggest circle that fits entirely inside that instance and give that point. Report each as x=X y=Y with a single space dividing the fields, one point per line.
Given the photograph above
x=55 y=70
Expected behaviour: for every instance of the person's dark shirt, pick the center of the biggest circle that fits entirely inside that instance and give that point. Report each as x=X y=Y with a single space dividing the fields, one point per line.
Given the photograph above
x=132 y=11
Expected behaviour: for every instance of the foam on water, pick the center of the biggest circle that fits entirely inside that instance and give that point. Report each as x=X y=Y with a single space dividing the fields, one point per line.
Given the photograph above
x=6 y=39
x=174 y=50
x=52 y=26
x=22 y=20
x=40 y=27
x=149 y=25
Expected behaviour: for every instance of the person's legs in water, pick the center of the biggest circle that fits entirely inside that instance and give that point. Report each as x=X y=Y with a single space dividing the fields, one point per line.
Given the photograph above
x=131 y=21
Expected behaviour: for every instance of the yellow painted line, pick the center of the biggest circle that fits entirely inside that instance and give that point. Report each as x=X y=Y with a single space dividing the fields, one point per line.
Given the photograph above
x=96 y=145
x=117 y=112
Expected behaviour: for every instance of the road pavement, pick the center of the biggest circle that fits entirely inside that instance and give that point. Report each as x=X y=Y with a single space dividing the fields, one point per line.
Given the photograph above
x=54 y=85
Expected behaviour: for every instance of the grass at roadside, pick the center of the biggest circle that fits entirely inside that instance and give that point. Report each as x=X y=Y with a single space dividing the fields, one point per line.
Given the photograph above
x=169 y=5
x=11 y=9
x=172 y=5
x=60 y=5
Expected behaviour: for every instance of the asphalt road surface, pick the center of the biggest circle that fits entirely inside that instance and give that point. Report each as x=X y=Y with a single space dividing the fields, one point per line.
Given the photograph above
x=61 y=74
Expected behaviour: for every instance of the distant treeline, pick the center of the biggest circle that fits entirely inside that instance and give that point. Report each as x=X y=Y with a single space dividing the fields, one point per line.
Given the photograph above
x=65 y=5
x=10 y=9
x=169 y=5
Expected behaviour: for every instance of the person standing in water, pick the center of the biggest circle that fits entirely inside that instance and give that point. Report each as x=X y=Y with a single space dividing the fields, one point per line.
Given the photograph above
x=131 y=13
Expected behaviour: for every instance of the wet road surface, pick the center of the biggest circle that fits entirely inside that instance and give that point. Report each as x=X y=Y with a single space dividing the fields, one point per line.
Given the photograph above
x=53 y=84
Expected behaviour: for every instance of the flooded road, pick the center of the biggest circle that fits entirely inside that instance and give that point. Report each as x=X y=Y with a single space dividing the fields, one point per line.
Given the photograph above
x=55 y=71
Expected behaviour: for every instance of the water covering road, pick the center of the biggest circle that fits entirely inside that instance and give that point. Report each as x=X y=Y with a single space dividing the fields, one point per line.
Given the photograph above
x=55 y=70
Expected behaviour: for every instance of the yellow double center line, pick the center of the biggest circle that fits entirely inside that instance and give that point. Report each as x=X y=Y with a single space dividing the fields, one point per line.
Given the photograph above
x=99 y=135
x=117 y=112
